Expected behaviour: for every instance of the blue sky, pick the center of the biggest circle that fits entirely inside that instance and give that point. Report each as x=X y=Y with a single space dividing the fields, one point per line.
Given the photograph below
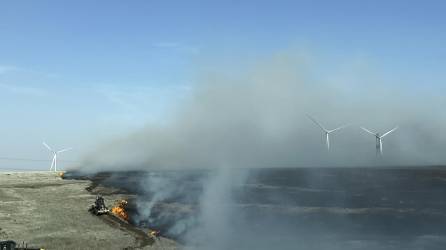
x=77 y=72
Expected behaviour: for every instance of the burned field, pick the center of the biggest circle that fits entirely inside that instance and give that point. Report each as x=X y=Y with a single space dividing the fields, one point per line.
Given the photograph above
x=303 y=208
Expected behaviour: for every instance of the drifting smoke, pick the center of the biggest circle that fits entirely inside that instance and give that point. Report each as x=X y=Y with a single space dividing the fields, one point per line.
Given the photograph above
x=257 y=119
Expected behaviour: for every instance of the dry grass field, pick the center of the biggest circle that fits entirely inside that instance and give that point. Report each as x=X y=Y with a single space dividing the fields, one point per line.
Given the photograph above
x=46 y=211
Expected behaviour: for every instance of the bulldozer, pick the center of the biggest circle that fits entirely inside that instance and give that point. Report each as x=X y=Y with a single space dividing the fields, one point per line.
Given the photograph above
x=99 y=208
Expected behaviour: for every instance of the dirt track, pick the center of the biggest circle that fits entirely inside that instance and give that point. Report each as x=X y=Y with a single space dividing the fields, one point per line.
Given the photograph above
x=48 y=212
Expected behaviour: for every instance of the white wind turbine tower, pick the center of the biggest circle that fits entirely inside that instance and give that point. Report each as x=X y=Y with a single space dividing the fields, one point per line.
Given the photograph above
x=326 y=131
x=54 y=161
x=379 y=141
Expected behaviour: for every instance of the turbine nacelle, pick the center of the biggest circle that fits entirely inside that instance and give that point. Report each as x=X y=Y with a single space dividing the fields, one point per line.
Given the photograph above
x=326 y=131
x=379 y=142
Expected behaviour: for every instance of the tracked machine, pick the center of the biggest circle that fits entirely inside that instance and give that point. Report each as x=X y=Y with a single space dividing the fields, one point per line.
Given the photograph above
x=99 y=208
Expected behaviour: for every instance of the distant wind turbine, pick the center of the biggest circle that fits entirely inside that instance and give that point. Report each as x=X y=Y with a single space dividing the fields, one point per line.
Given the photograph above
x=54 y=161
x=379 y=142
x=326 y=131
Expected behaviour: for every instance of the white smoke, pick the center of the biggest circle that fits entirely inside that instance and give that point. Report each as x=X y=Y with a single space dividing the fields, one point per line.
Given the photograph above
x=257 y=118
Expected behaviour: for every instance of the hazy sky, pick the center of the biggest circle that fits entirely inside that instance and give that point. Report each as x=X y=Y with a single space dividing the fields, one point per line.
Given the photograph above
x=75 y=73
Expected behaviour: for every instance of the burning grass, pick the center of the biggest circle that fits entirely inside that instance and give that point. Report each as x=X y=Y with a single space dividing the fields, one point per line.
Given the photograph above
x=154 y=233
x=120 y=210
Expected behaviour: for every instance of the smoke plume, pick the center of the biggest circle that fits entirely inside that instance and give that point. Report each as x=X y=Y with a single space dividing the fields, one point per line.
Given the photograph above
x=257 y=118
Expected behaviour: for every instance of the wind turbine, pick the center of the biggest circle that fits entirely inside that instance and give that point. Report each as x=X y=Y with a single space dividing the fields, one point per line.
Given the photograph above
x=54 y=161
x=379 y=141
x=326 y=131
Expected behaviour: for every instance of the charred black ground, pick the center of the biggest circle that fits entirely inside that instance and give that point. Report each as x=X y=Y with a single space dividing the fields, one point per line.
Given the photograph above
x=301 y=208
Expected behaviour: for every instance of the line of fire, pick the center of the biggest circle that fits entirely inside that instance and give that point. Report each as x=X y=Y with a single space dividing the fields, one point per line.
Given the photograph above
x=119 y=211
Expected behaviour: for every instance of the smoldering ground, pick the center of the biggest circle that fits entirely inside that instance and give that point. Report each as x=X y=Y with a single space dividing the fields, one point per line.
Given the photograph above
x=292 y=208
x=257 y=119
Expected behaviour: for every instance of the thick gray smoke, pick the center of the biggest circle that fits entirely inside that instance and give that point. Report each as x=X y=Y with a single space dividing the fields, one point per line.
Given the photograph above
x=258 y=119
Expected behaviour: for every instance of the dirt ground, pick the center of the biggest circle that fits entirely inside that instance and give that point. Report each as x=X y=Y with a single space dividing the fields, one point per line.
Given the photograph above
x=48 y=212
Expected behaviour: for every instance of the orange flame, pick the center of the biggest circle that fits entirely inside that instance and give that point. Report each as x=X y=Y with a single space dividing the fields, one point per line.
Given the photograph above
x=119 y=210
x=154 y=233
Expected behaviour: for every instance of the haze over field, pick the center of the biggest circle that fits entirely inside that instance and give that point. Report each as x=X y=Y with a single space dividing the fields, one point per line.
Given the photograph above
x=226 y=87
x=209 y=84
x=256 y=117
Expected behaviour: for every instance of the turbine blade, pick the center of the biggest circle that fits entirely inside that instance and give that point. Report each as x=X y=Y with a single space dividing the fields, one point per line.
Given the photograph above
x=336 y=129
x=64 y=150
x=328 y=142
x=46 y=146
x=52 y=163
x=317 y=123
x=380 y=146
x=395 y=128
x=368 y=131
